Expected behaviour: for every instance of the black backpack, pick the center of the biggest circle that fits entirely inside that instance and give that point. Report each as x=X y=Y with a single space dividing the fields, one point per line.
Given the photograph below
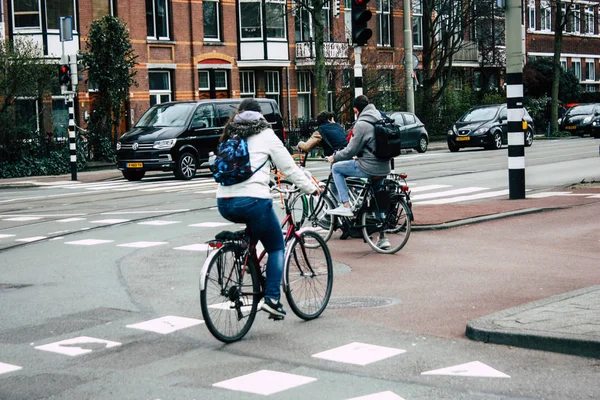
x=387 y=139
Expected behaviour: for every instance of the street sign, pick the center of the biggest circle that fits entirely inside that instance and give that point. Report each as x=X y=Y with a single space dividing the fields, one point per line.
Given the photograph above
x=65 y=26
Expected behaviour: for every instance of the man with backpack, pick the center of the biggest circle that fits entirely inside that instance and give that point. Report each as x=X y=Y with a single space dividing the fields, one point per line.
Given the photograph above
x=329 y=135
x=366 y=164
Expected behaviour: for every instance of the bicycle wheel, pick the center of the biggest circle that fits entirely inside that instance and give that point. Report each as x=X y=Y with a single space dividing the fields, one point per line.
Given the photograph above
x=230 y=297
x=308 y=275
x=394 y=225
x=311 y=213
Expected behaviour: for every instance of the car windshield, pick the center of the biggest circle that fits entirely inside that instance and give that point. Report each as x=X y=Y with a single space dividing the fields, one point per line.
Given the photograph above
x=480 y=114
x=166 y=115
x=582 y=110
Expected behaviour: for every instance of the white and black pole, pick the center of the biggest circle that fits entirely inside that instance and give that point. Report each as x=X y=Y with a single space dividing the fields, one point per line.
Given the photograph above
x=514 y=100
x=72 y=136
x=358 y=78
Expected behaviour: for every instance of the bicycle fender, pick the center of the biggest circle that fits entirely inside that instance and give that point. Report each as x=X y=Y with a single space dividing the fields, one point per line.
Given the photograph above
x=288 y=254
x=204 y=270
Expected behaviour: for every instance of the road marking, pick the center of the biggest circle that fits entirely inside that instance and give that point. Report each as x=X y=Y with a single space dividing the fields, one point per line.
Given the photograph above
x=78 y=346
x=464 y=198
x=109 y=221
x=22 y=219
x=31 y=239
x=145 y=212
x=89 y=242
x=428 y=187
x=193 y=247
x=158 y=222
x=264 y=382
x=379 y=396
x=211 y=224
x=447 y=193
x=165 y=325
x=5 y=368
x=4 y=235
x=71 y=220
x=141 y=245
x=359 y=353
x=474 y=368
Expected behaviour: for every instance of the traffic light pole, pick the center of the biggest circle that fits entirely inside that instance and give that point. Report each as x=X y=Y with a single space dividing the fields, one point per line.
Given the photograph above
x=408 y=60
x=358 y=81
x=514 y=100
x=72 y=136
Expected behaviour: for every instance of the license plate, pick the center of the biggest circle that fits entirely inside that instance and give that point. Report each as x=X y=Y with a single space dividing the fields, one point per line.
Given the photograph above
x=463 y=138
x=571 y=127
x=135 y=165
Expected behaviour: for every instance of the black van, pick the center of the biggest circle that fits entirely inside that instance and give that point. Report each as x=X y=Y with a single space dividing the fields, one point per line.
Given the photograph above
x=178 y=136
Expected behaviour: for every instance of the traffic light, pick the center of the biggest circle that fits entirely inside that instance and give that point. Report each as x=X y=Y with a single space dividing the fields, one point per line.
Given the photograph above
x=64 y=75
x=360 y=17
x=76 y=69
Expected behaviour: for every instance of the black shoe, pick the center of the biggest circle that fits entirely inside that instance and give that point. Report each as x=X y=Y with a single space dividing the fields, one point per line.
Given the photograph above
x=273 y=308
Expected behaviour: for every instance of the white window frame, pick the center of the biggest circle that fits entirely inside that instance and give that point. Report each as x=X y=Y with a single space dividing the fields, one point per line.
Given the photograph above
x=305 y=89
x=563 y=63
x=590 y=22
x=27 y=28
x=272 y=85
x=218 y=16
x=224 y=73
x=247 y=84
x=57 y=29
x=154 y=18
x=545 y=16
x=160 y=92
x=207 y=87
x=417 y=17
x=575 y=18
x=590 y=73
x=531 y=15
x=590 y=88
x=260 y=17
x=280 y=3
x=382 y=14
x=576 y=68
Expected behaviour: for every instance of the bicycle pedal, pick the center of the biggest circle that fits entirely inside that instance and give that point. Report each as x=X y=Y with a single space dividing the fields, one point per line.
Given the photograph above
x=276 y=317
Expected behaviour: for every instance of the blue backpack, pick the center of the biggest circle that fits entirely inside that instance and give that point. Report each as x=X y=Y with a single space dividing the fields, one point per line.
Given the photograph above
x=232 y=162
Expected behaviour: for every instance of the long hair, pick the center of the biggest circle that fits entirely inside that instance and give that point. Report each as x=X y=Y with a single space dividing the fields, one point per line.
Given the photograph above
x=248 y=104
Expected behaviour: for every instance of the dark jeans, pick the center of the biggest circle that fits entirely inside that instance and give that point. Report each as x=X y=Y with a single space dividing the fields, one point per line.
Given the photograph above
x=260 y=218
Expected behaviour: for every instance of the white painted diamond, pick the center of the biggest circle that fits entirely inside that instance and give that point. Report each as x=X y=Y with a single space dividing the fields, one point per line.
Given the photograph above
x=379 y=396
x=4 y=368
x=76 y=346
x=166 y=324
x=141 y=244
x=193 y=247
x=474 y=368
x=265 y=382
x=89 y=242
x=359 y=353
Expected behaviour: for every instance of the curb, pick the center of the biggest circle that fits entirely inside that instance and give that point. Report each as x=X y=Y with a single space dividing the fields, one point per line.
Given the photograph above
x=484 y=329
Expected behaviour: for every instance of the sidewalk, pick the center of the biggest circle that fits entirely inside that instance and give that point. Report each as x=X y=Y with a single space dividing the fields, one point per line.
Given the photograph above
x=566 y=323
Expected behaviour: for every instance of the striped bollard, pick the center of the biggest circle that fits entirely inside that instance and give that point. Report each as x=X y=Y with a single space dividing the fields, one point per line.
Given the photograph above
x=72 y=137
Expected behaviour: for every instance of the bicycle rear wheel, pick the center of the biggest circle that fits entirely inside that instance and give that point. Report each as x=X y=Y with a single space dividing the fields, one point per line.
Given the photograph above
x=308 y=275
x=310 y=212
x=230 y=295
x=393 y=225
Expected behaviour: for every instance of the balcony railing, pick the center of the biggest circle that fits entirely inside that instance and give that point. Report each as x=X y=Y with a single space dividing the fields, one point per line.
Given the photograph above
x=330 y=50
x=467 y=53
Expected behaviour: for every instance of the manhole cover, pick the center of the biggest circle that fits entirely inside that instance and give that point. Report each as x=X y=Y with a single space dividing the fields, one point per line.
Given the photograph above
x=361 y=302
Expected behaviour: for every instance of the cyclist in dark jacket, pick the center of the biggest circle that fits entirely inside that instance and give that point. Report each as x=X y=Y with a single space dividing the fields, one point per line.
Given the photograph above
x=329 y=135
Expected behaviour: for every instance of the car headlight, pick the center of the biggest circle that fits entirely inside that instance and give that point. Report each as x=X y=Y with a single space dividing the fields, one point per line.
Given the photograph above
x=480 y=131
x=164 y=144
x=118 y=146
x=587 y=119
x=450 y=132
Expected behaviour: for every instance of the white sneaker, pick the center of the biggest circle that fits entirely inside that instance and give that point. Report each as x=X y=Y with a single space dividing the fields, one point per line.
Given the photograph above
x=341 y=211
x=383 y=243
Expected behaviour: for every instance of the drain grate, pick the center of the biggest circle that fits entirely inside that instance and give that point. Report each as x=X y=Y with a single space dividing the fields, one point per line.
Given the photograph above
x=361 y=302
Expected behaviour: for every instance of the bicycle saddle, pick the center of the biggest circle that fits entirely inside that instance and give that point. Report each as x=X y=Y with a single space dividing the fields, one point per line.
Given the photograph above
x=228 y=235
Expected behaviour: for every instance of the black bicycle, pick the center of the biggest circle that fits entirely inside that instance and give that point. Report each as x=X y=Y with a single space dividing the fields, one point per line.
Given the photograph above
x=233 y=278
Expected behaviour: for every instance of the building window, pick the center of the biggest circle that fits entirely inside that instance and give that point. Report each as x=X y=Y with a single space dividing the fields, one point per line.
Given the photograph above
x=250 y=20
x=247 y=84
x=563 y=64
x=575 y=19
x=26 y=14
x=590 y=88
x=304 y=94
x=157 y=19
x=272 y=90
x=160 y=87
x=590 y=70
x=100 y=8
x=576 y=68
x=211 y=18
x=385 y=85
x=383 y=23
x=590 y=26
x=56 y=9
x=545 y=16
x=220 y=80
x=417 y=22
x=275 y=15
x=203 y=80
x=531 y=14
x=303 y=25
x=326 y=22
x=346 y=78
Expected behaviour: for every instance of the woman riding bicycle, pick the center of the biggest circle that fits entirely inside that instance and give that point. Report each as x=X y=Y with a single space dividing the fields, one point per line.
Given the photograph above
x=250 y=202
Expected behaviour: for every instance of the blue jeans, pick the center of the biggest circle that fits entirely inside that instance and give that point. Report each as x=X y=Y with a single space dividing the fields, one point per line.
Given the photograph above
x=340 y=171
x=260 y=218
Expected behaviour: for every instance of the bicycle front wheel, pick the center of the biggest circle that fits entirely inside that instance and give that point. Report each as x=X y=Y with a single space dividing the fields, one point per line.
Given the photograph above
x=387 y=232
x=229 y=295
x=310 y=212
x=308 y=275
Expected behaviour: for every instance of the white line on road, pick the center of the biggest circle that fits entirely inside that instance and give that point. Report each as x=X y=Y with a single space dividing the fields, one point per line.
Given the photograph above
x=464 y=198
x=447 y=193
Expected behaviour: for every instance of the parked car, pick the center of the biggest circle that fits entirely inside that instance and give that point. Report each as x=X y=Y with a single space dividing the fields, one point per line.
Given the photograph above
x=178 y=136
x=413 y=132
x=582 y=119
x=485 y=126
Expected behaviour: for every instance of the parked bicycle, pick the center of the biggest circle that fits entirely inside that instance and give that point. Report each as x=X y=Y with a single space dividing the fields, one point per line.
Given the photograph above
x=382 y=209
x=233 y=278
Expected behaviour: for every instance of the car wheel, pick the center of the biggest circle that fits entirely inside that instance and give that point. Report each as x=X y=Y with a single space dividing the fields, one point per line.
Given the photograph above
x=453 y=148
x=496 y=142
x=133 y=174
x=422 y=148
x=528 y=138
x=186 y=166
